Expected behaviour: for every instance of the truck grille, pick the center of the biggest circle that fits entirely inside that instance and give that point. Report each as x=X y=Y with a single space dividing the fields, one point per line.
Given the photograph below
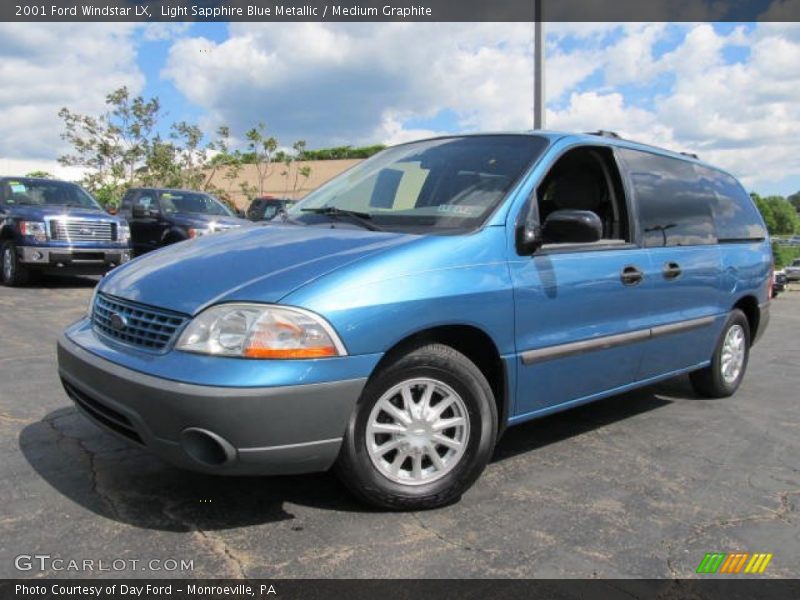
x=83 y=231
x=135 y=324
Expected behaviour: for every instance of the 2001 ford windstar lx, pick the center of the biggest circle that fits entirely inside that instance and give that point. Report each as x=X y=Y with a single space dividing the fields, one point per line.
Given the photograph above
x=400 y=317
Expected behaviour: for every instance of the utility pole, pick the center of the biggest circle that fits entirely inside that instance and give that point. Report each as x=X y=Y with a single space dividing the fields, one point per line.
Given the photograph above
x=538 y=66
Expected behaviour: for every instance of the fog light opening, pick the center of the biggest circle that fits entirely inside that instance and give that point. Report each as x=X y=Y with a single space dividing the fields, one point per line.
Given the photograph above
x=206 y=447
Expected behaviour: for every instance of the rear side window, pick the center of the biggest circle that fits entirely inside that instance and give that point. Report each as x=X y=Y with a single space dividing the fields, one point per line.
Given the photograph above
x=735 y=215
x=674 y=208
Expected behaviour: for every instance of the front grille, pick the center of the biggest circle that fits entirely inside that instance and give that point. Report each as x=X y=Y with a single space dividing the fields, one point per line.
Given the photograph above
x=110 y=418
x=135 y=324
x=83 y=231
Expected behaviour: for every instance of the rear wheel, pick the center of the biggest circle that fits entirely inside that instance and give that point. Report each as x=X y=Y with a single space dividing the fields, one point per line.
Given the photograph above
x=729 y=362
x=14 y=272
x=422 y=432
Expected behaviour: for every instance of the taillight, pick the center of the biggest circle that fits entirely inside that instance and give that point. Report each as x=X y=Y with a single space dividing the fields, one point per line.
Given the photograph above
x=769 y=281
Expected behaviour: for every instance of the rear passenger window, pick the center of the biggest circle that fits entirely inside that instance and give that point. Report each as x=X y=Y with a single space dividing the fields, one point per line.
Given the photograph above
x=735 y=215
x=674 y=206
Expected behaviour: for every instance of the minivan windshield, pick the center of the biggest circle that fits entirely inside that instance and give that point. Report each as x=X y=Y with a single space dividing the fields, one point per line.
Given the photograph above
x=442 y=185
x=193 y=203
x=44 y=192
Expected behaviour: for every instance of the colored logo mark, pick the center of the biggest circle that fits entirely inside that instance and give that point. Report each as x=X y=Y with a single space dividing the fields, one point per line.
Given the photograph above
x=736 y=562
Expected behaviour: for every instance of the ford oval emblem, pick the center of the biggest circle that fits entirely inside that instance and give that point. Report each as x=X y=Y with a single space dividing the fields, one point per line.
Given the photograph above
x=86 y=231
x=118 y=322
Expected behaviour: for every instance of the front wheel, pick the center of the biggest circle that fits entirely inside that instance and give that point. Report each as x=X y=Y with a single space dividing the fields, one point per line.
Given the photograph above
x=422 y=432
x=14 y=272
x=729 y=362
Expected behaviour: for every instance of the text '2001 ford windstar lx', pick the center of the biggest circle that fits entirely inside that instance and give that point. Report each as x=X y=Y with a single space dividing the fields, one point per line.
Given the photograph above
x=400 y=317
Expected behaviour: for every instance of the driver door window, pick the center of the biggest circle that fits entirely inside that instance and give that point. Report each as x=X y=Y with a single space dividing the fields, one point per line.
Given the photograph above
x=587 y=179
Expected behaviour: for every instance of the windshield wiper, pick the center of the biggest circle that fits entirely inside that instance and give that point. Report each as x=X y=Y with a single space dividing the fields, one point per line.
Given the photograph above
x=362 y=218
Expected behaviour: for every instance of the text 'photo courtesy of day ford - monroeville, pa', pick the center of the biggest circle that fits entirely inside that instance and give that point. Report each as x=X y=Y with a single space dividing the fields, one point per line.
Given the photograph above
x=396 y=321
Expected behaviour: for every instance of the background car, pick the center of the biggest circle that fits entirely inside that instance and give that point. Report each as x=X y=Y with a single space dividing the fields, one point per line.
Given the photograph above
x=793 y=271
x=778 y=283
x=159 y=217
x=267 y=207
x=48 y=225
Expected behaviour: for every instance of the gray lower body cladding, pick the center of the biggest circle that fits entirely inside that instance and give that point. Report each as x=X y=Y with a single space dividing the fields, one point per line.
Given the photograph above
x=222 y=430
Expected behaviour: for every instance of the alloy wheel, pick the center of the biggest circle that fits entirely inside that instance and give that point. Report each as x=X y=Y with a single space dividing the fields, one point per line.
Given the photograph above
x=417 y=431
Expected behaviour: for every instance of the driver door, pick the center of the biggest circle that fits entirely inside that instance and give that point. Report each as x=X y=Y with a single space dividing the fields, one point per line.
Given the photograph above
x=579 y=307
x=146 y=230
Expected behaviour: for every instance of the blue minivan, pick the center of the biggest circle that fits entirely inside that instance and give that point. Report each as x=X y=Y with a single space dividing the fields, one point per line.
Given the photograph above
x=397 y=320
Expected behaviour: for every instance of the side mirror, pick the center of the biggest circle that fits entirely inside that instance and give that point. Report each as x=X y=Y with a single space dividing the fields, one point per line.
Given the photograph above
x=529 y=238
x=572 y=226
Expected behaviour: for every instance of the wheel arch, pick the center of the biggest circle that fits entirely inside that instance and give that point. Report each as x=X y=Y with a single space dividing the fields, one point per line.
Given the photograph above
x=749 y=306
x=174 y=235
x=7 y=232
x=475 y=344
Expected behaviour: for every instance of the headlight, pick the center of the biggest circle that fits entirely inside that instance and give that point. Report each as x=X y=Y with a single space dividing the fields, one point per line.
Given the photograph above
x=260 y=331
x=193 y=233
x=123 y=232
x=34 y=229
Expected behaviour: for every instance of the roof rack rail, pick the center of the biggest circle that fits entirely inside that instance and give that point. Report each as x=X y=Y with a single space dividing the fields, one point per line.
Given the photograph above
x=691 y=155
x=605 y=133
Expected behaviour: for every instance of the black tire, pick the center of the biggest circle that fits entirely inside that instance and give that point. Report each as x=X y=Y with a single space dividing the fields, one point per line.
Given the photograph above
x=442 y=364
x=12 y=271
x=710 y=382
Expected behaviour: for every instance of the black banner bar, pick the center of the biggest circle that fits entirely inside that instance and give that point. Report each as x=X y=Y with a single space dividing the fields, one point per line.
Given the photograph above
x=400 y=10
x=711 y=588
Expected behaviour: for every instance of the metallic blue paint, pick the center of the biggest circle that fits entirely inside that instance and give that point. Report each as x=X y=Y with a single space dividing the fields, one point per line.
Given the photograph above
x=378 y=288
x=221 y=371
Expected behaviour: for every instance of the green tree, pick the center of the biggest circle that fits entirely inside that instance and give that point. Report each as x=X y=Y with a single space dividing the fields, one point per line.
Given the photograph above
x=780 y=216
x=794 y=199
x=304 y=171
x=41 y=174
x=113 y=146
x=263 y=148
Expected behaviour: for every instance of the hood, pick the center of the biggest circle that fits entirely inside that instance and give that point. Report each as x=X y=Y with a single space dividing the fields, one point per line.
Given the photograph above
x=37 y=213
x=254 y=264
x=202 y=221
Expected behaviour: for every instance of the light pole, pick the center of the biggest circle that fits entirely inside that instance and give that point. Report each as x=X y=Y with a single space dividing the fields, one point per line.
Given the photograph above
x=538 y=66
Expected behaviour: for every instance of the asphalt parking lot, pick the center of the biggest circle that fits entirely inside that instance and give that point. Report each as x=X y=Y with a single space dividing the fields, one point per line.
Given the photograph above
x=638 y=485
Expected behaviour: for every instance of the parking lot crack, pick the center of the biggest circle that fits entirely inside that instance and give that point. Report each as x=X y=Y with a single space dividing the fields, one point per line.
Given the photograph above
x=441 y=537
x=782 y=513
x=215 y=543
x=95 y=488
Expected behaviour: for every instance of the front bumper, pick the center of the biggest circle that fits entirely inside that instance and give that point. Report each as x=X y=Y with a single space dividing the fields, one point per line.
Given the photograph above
x=258 y=431
x=58 y=257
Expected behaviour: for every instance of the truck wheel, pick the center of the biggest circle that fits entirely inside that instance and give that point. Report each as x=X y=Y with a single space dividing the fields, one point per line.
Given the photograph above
x=422 y=432
x=14 y=272
x=729 y=362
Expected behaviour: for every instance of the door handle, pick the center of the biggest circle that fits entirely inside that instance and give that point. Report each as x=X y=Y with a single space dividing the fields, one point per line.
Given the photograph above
x=672 y=270
x=631 y=275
